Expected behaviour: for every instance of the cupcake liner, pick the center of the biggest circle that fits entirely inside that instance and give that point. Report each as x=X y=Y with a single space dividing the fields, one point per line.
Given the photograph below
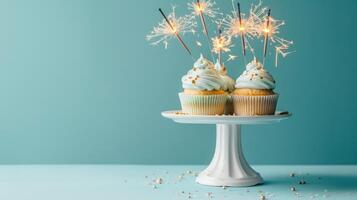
x=203 y=104
x=229 y=109
x=255 y=105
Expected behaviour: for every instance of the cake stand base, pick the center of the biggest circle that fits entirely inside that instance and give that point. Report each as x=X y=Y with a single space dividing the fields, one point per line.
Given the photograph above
x=228 y=166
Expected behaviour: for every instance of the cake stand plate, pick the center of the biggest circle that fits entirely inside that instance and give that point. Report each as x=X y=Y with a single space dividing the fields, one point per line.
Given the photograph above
x=228 y=166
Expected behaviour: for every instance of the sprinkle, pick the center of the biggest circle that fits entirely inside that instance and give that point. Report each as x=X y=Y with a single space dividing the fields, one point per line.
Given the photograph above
x=189 y=172
x=292 y=174
x=158 y=181
x=262 y=197
x=302 y=182
x=293 y=189
x=193 y=82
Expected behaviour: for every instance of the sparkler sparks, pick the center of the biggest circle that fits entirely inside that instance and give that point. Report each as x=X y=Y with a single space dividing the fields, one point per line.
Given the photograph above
x=201 y=8
x=269 y=28
x=255 y=24
x=221 y=44
x=231 y=57
x=235 y=27
x=237 y=24
x=176 y=26
x=206 y=7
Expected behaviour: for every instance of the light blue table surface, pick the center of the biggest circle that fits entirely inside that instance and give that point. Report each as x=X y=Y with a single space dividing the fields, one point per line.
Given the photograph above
x=121 y=182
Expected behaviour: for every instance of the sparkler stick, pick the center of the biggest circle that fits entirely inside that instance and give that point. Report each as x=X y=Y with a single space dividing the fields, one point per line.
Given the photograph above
x=266 y=37
x=203 y=21
x=242 y=32
x=220 y=50
x=175 y=32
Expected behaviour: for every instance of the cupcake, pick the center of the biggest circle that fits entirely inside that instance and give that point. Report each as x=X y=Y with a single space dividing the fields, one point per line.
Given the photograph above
x=254 y=93
x=203 y=90
x=228 y=87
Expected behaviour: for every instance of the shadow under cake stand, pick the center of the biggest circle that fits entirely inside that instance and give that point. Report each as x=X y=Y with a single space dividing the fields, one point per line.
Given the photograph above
x=228 y=166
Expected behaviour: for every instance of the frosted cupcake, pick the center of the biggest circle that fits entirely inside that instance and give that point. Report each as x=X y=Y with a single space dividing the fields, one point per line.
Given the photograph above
x=228 y=87
x=203 y=90
x=254 y=93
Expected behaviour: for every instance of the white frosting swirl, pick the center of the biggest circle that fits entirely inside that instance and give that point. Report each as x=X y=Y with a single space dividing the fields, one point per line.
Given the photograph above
x=255 y=77
x=203 y=76
x=228 y=82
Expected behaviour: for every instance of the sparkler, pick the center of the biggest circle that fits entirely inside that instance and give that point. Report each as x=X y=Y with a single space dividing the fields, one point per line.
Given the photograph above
x=235 y=25
x=269 y=28
x=205 y=7
x=266 y=31
x=202 y=8
x=241 y=27
x=172 y=27
x=174 y=30
x=221 y=44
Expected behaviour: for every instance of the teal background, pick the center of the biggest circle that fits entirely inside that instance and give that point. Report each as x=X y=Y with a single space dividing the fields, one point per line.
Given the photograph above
x=79 y=84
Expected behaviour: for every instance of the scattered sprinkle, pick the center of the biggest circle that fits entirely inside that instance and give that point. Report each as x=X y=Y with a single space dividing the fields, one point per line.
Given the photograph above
x=293 y=189
x=262 y=197
x=159 y=181
x=302 y=182
x=292 y=174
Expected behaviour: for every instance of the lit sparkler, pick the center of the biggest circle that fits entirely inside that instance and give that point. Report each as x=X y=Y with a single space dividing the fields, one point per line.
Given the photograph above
x=172 y=27
x=221 y=44
x=266 y=30
x=269 y=28
x=206 y=7
x=241 y=28
x=236 y=25
x=202 y=8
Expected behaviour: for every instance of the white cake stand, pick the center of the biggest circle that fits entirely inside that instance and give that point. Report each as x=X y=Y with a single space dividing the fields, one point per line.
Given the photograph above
x=228 y=166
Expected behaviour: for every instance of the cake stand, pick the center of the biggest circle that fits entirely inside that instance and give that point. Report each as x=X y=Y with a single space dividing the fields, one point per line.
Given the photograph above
x=228 y=166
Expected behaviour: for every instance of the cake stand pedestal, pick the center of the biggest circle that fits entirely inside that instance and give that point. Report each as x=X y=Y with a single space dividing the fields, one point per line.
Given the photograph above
x=228 y=166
